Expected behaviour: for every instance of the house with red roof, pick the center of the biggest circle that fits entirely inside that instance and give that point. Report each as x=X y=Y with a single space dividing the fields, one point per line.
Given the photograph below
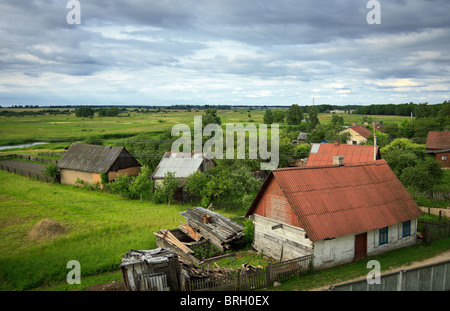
x=438 y=144
x=339 y=213
x=323 y=154
x=358 y=134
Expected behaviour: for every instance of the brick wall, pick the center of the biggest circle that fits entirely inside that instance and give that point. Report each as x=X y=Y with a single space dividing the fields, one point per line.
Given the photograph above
x=274 y=205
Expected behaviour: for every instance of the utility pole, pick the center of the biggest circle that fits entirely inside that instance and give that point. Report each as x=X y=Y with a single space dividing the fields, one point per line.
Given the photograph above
x=374 y=143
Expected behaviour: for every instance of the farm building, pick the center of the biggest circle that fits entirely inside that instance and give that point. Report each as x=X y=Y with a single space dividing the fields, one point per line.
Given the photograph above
x=182 y=164
x=301 y=138
x=358 y=134
x=323 y=154
x=338 y=213
x=88 y=162
x=438 y=144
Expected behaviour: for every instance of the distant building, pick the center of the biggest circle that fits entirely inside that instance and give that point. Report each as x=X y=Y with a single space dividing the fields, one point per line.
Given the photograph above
x=88 y=162
x=358 y=134
x=182 y=164
x=323 y=154
x=339 y=213
x=438 y=144
x=301 y=138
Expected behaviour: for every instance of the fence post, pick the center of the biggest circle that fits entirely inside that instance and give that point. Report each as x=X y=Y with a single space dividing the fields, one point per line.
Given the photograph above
x=268 y=280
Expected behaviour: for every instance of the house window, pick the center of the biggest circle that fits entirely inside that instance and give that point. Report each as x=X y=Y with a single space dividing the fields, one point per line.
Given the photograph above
x=406 y=228
x=354 y=142
x=444 y=158
x=383 y=235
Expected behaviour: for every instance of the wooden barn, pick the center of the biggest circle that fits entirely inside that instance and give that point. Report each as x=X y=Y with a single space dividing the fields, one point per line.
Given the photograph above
x=88 y=162
x=338 y=213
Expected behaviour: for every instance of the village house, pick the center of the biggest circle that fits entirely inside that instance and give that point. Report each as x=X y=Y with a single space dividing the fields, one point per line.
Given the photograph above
x=182 y=164
x=438 y=144
x=339 y=213
x=87 y=163
x=323 y=154
x=358 y=134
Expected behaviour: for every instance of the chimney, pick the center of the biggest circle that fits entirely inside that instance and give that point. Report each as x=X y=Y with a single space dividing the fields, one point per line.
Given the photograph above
x=337 y=160
x=336 y=142
x=354 y=124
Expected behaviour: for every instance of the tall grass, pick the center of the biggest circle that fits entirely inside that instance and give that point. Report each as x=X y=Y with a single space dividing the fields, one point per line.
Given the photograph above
x=100 y=229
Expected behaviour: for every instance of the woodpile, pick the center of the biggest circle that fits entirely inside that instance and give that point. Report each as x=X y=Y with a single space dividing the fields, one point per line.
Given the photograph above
x=196 y=272
x=171 y=239
x=218 y=229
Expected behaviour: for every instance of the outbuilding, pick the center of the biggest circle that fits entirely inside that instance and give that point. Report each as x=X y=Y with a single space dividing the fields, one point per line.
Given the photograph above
x=339 y=213
x=87 y=162
x=438 y=145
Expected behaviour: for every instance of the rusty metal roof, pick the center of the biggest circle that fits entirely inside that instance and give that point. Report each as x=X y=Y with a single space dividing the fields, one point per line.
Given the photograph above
x=438 y=140
x=322 y=154
x=90 y=158
x=332 y=201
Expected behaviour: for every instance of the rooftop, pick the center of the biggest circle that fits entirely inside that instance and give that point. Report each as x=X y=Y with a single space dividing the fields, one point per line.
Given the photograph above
x=332 y=201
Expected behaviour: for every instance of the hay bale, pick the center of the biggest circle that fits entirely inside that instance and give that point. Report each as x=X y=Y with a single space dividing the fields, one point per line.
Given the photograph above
x=46 y=228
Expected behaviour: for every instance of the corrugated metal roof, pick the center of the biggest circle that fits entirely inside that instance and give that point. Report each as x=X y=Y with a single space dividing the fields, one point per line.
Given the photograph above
x=181 y=163
x=322 y=154
x=90 y=158
x=332 y=201
x=438 y=140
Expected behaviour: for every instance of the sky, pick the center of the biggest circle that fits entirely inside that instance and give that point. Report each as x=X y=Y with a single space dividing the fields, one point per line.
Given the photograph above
x=224 y=52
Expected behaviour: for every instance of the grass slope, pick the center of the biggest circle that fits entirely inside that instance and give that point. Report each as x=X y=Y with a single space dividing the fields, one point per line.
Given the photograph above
x=100 y=229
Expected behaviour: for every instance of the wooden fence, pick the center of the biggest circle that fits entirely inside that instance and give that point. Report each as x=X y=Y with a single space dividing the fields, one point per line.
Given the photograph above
x=26 y=173
x=28 y=158
x=249 y=280
x=433 y=229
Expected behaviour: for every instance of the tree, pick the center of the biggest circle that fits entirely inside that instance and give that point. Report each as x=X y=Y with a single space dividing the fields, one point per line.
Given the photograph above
x=141 y=183
x=169 y=186
x=84 y=112
x=210 y=117
x=279 y=116
x=313 y=118
x=52 y=172
x=268 y=117
x=294 y=115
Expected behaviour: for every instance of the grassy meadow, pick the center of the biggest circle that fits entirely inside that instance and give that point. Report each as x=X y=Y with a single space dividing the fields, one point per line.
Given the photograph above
x=69 y=128
x=100 y=228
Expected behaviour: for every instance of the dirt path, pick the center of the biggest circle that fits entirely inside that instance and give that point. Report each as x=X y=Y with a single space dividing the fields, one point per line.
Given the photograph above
x=438 y=258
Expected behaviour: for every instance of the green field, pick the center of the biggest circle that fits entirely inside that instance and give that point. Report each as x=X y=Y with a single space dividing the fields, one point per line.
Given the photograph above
x=62 y=128
x=100 y=229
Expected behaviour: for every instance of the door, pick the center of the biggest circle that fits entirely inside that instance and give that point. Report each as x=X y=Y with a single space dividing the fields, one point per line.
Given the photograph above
x=360 y=246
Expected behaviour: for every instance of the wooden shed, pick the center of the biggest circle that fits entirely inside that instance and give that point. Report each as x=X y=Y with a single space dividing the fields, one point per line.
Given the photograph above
x=88 y=162
x=151 y=270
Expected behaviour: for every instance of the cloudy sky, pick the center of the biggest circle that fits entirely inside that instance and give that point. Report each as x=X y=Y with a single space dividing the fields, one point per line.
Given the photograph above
x=236 y=52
